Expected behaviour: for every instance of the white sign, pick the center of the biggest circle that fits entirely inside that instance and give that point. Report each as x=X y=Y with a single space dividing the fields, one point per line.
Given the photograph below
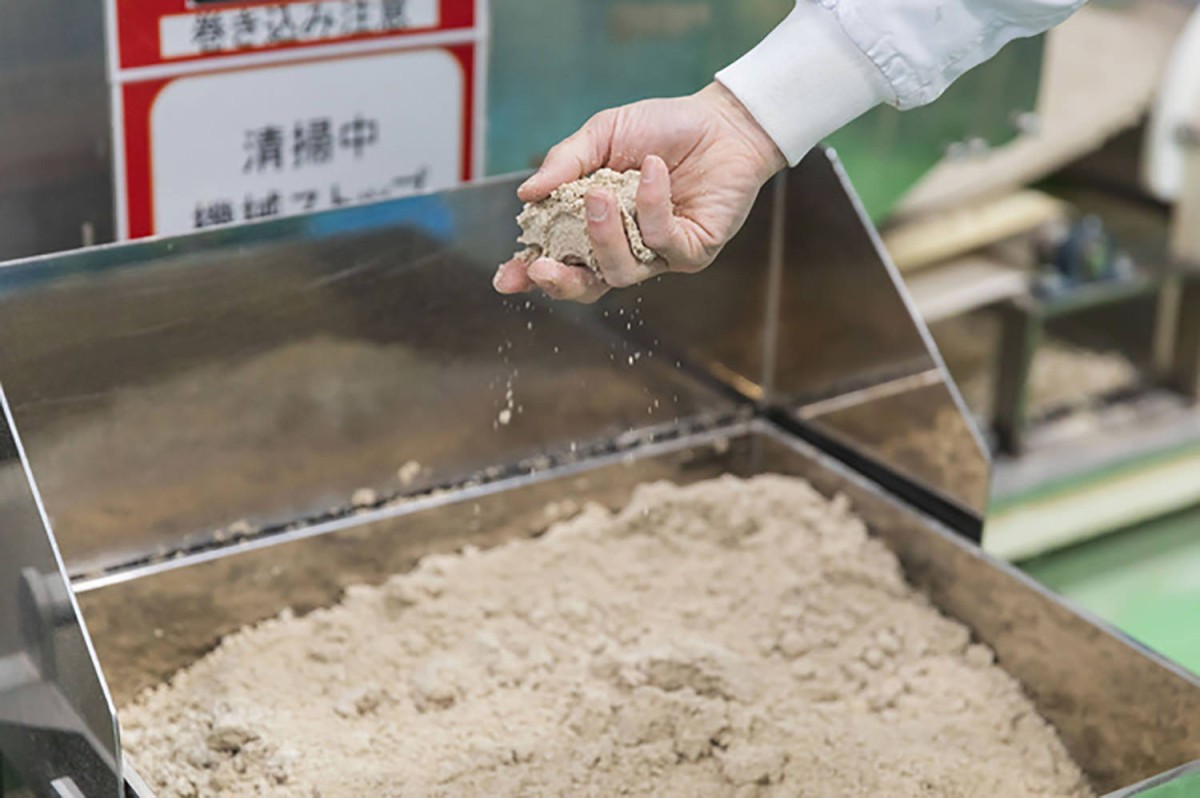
x=274 y=141
x=238 y=29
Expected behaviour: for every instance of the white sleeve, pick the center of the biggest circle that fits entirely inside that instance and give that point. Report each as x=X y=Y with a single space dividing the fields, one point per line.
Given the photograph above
x=832 y=60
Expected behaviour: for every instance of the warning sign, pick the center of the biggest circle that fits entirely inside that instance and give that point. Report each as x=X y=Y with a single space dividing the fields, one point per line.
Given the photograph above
x=224 y=129
x=152 y=32
x=257 y=27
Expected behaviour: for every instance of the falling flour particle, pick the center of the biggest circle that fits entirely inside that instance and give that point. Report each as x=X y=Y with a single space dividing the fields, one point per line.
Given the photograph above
x=556 y=227
x=408 y=473
x=505 y=416
x=729 y=638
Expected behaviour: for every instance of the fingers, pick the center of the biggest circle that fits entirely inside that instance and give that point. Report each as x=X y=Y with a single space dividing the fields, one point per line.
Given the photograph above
x=662 y=230
x=616 y=261
x=512 y=277
x=572 y=283
x=580 y=154
x=559 y=281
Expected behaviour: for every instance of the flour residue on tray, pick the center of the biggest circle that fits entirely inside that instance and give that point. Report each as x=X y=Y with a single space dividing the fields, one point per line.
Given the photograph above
x=729 y=638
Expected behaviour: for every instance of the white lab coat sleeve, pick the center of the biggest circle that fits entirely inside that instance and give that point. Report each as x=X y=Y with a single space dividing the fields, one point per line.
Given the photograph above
x=832 y=60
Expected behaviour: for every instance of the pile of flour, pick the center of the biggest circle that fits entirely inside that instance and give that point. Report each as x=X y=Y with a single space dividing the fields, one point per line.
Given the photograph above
x=729 y=638
x=557 y=226
x=1063 y=377
x=944 y=453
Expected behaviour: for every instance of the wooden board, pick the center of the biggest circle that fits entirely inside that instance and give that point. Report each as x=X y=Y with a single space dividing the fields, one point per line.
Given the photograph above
x=916 y=243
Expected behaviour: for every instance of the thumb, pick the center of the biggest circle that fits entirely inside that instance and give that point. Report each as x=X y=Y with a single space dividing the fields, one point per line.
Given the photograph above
x=576 y=156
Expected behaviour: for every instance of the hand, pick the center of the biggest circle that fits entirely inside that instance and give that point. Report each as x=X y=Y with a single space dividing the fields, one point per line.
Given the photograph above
x=703 y=159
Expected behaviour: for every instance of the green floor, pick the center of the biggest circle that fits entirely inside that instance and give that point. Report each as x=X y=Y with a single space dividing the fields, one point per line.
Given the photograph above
x=1144 y=580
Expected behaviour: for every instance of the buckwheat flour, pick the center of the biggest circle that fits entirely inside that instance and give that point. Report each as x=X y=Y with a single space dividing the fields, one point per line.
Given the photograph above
x=557 y=226
x=729 y=638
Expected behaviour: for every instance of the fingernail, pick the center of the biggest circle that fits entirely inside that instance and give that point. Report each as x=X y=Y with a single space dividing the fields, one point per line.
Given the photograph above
x=597 y=208
x=529 y=181
x=648 y=173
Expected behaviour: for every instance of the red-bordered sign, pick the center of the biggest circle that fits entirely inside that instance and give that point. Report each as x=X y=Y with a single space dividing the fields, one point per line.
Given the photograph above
x=155 y=32
x=234 y=135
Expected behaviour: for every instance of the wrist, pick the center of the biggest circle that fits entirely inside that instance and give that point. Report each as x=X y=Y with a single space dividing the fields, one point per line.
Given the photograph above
x=805 y=80
x=734 y=114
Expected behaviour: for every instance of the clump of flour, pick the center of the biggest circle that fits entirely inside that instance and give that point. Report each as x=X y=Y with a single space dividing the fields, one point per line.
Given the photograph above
x=556 y=227
x=729 y=638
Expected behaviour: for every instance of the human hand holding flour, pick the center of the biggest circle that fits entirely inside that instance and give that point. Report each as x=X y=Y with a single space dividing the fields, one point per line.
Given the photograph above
x=704 y=158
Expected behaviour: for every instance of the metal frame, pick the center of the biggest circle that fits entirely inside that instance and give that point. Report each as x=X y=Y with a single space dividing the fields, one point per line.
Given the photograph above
x=1177 y=336
x=389 y=308
x=1023 y=321
x=1100 y=689
x=57 y=721
x=54 y=122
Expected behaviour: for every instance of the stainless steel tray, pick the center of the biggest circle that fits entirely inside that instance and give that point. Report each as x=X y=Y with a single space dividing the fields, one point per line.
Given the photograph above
x=1124 y=713
x=266 y=372
x=170 y=392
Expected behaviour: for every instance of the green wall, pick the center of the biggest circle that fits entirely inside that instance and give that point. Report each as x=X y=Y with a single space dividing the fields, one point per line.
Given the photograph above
x=553 y=65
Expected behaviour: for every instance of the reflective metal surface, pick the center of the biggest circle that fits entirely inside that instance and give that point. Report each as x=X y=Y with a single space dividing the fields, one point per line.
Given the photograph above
x=1124 y=713
x=55 y=155
x=56 y=720
x=177 y=393
x=854 y=360
x=832 y=258
x=804 y=312
x=172 y=393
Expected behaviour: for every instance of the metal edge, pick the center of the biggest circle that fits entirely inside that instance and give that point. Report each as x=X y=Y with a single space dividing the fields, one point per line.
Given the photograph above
x=94 y=661
x=139 y=250
x=438 y=497
x=932 y=502
x=803 y=447
x=135 y=785
x=1161 y=780
x=759 y=425
x=905 y=297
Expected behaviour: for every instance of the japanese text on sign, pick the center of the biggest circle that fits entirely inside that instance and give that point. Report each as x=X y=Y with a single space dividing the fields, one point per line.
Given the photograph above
x=280 y=202
x=305 y=143
x=309 y=142
x=256 y=27
x=280 y=151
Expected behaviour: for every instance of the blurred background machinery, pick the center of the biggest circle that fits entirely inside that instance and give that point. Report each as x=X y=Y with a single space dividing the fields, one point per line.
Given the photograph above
x=1059 y=276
